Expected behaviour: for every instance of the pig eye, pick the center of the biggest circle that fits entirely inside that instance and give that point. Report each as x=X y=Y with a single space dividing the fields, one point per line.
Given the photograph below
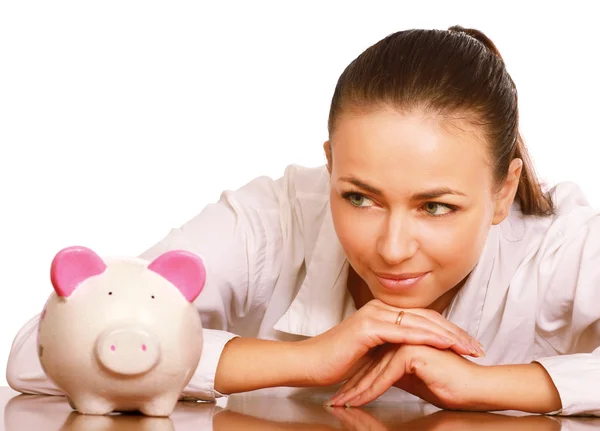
x=110 y=293
x=152 y=296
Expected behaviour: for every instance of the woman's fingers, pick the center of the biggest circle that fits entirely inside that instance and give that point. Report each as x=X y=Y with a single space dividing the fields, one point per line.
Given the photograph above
x=337 y=354
x=431 y=315
x=374 y=385
x=445 y=323
x=432 y=321
x=413 y=329
x=373 y=368
x=365 y=381
x=391 y=333
x=463 y=345
x=352 y=381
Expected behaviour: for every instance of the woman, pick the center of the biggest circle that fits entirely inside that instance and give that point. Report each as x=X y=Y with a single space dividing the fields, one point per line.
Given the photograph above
x=426 y=234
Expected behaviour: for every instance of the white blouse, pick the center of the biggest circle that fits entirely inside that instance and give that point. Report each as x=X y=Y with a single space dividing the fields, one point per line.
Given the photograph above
x=276 y=270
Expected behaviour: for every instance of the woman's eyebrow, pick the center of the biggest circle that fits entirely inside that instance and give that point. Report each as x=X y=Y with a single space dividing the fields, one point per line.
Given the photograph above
x=362 y=185
x=420 y=196
x=435 y=193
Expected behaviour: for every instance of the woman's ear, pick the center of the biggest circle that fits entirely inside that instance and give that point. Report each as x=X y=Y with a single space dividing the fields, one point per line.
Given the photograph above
x=327 y=149
x=506 y=195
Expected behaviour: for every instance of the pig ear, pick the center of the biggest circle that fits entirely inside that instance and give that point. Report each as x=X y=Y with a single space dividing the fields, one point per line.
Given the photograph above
x=183 y=269
x=71 y=266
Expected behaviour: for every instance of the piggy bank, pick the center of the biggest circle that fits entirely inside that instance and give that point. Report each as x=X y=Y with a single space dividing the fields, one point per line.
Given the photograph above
x=122 y=334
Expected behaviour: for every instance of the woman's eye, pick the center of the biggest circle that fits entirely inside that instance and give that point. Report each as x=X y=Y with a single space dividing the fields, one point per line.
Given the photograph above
x=437 y=209
x=359 y=200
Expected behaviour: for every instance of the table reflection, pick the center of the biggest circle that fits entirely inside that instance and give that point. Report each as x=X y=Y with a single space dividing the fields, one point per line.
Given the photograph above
x=36 y=412
x=245 y=413
x=32 y=412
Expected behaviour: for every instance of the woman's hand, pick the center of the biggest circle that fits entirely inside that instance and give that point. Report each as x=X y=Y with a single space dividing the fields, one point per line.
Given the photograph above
x=339 y=353
x=440 y=377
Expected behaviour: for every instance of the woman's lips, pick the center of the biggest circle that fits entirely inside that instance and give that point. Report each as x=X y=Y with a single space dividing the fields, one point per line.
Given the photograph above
x=400 y=281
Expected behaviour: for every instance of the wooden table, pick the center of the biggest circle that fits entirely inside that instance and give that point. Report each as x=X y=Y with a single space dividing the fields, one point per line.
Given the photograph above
x=250 y=413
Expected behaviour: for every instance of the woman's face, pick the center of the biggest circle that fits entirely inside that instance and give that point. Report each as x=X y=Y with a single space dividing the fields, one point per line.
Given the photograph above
x=412 y=203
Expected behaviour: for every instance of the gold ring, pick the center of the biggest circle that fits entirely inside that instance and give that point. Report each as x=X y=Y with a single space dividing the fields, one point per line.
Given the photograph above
x=399 y=318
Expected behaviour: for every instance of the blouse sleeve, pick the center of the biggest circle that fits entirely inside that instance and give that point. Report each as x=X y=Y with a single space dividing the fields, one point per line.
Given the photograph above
x=568 y=316
x=238 y=238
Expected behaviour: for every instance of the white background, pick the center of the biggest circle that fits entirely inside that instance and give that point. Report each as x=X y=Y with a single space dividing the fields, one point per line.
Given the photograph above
x=122 y=119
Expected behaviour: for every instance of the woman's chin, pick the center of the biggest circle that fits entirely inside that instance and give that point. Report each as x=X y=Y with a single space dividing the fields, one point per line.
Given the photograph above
x=402 y=301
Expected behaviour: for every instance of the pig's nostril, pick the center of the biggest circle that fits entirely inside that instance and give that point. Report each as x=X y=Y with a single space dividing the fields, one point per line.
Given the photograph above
x=144 y=347
x=112 y=348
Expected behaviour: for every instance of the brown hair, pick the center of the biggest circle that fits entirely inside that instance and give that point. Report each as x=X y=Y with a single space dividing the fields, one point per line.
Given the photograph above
x=445 y=72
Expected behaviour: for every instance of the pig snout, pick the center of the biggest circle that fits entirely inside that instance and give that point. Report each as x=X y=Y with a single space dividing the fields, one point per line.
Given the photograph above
x=128 y=350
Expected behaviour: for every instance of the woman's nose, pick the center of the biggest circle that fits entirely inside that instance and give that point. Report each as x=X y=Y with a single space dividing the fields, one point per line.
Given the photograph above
x=397 y=241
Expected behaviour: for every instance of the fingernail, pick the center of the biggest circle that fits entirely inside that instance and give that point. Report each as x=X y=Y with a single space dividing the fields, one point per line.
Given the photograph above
x=337 y=397
x=477 y=347
x=475 y=342
x=352 y=401
x=468 y=347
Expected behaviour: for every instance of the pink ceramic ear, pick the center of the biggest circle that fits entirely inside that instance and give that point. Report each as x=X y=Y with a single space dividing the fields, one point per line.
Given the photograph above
x=71 y=266
x=183 y=269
